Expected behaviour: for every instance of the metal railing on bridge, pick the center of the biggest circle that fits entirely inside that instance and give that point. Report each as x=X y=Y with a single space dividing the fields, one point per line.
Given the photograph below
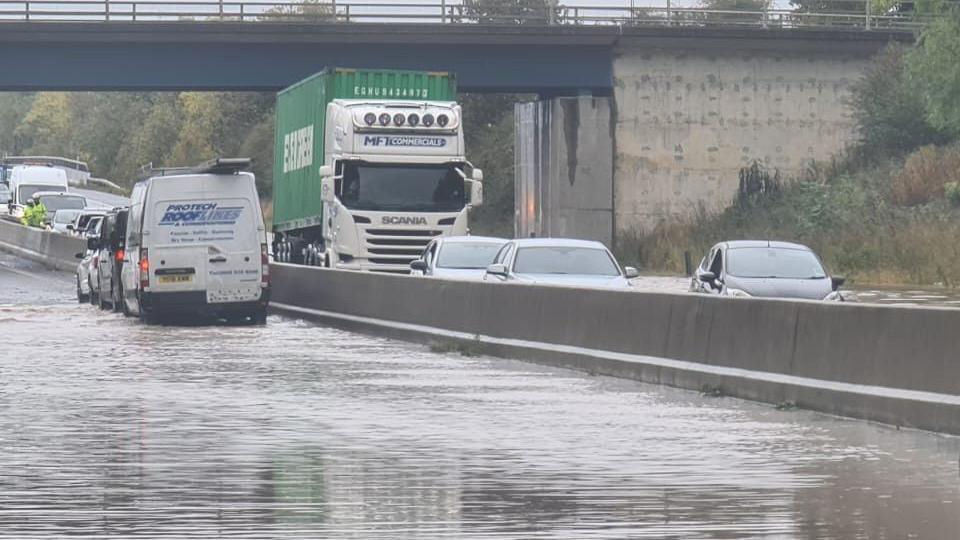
x=839 y=14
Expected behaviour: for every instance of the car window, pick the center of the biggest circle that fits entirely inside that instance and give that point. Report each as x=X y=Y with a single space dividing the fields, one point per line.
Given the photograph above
x=565 y=260
x=717 y=265
x=467 y=255
x=767 y=262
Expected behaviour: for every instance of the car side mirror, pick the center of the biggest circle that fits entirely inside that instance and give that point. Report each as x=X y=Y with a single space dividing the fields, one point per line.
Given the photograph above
x=92 y=244
x=327 y=187
x=497 y=270
x=837 y=282
x=419 y=265
x=476 y=193
x=630 y=272
x=79 y=255
x=709 y=277
x=69 y=226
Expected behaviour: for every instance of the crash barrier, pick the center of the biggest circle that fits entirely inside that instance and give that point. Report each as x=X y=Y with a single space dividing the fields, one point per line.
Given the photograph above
x=891 y=364
x=46 y=247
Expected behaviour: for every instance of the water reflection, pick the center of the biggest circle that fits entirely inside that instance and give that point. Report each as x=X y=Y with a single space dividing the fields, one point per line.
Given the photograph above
x=291 y=430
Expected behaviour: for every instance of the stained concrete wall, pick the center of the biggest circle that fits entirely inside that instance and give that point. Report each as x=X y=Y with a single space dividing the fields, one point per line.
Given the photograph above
x=886 y=363
x=691 y=114
x=52 y=249
x=564 y=168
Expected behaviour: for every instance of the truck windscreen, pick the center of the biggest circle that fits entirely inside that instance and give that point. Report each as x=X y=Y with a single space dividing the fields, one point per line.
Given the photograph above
x=396 y=187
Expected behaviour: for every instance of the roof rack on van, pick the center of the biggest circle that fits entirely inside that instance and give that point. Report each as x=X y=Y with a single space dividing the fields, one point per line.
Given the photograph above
x=214 y=166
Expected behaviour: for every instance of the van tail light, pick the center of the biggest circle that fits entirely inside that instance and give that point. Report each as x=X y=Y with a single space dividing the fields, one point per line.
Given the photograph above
x=119 y=255
x=264 y=266
x=144 y=269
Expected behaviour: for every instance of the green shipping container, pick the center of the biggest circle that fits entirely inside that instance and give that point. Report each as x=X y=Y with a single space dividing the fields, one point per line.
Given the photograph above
x=301 y=111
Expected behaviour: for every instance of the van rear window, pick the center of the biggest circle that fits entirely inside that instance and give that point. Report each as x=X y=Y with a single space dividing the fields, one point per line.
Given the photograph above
x=227 y=223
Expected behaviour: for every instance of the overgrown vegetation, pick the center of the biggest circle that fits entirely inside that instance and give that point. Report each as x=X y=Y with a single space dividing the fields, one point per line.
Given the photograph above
x=885 y=211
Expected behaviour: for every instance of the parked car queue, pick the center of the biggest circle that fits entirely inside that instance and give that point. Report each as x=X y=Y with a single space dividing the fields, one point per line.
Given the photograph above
x=191 y=243
x=736 y=269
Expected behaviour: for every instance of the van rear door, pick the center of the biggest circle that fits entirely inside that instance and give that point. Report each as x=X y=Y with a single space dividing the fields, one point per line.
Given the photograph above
x=207 y=244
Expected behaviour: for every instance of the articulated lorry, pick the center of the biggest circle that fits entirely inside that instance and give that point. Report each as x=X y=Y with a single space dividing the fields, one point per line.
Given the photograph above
x=369 y=167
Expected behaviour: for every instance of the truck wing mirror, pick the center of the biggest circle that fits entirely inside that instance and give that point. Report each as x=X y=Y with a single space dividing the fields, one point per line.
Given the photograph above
x=477 y=175
x=326 y=171
x=476 y=193
x=327 y=186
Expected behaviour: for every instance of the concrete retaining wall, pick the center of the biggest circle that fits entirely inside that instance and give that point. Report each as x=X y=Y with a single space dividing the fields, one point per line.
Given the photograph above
x=52 y=249
x=890 y=364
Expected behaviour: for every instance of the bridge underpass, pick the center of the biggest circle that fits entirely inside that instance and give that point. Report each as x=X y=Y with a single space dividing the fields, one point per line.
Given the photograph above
x=669 y=114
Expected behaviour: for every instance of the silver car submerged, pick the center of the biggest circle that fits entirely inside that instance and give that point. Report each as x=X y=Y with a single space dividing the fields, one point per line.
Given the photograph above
x=753 y=268
x=457 y=257
x=559 y=261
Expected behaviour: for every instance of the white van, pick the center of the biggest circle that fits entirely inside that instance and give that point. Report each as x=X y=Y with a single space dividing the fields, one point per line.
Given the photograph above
x=25 y=180
x=196 y=244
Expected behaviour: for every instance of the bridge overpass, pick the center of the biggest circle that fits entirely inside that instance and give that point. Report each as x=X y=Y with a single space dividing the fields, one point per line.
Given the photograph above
x=644 y=117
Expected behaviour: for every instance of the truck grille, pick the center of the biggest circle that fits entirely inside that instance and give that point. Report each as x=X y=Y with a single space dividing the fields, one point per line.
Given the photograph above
x=392 y=250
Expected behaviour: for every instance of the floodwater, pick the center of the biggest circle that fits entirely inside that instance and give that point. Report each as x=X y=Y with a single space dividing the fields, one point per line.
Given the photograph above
x=293 y=430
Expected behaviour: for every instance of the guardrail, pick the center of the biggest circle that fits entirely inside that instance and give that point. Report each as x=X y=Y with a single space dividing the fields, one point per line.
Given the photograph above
x=843 y=14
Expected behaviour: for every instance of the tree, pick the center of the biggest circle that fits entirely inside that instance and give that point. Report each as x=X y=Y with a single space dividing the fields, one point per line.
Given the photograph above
x=508 y=11
x=755 y=7
x=933 y=68
x=889 y=111
x=308 y=10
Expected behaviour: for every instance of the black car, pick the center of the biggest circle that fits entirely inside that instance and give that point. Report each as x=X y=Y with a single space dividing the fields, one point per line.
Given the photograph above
x=112 y=243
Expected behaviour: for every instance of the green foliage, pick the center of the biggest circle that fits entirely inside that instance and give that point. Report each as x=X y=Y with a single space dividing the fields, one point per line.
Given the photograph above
x=952 y=191
x=507 y=11
x=933 y=68
x=34 y=215
x=890 y=111
x=307 y=10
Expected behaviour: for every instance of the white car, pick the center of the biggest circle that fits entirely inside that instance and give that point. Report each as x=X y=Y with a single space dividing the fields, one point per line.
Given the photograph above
x=87 y=267
x=63 y=220
x=457 y=257
x=196 y=245
x=59 y=200
x=559 y=261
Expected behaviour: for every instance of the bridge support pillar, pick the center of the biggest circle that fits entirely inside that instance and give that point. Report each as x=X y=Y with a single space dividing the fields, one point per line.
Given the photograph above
x=564 y=168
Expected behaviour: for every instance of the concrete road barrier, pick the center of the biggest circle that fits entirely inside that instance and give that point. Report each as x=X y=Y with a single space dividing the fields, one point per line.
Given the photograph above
x=46 y=247
x=897 y=365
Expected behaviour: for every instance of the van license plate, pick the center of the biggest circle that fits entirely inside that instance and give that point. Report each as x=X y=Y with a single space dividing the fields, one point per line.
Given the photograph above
x=181 y=278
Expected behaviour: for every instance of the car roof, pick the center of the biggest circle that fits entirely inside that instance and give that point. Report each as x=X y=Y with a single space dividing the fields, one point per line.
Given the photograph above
x=735 y=244
x=558 y=242
x=64 y=193
x=472 y=240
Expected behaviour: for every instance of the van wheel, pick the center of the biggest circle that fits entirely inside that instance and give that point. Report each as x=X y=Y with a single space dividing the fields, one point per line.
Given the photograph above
x=81 y=298
x=145 y=318
x=259 y=317
x=118 y=303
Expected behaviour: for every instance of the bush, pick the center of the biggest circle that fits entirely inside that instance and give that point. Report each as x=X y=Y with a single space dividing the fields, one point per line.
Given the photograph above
x=952 y=192
x=924 y=175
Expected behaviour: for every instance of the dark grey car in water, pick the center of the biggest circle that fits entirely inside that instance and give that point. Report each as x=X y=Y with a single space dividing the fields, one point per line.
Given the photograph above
x=756 y=268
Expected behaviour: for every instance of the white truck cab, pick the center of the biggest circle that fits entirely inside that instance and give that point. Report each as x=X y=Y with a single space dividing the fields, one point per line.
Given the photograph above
x=196 y=244
x=395 y=176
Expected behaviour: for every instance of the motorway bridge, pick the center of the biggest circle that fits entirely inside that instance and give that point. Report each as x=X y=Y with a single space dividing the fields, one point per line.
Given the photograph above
x=295 y=430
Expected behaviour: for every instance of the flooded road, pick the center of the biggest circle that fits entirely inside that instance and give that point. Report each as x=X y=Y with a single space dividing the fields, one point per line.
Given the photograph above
x=114 y=429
